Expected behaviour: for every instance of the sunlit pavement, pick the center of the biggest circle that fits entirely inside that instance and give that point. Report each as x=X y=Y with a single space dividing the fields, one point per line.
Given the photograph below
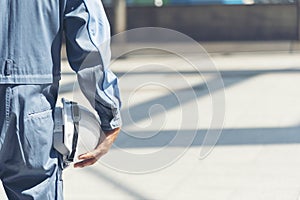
x=257 y=154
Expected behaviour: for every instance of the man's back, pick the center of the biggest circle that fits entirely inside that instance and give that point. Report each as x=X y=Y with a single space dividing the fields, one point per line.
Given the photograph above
x=30 y=40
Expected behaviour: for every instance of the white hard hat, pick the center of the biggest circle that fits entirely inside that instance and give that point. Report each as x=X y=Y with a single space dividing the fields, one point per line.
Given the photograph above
x=76 y=131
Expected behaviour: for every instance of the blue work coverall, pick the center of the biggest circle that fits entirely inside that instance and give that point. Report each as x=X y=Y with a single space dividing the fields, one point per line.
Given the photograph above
x=31 y=35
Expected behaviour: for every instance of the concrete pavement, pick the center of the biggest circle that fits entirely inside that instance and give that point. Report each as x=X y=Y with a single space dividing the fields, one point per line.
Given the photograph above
x=256 y=157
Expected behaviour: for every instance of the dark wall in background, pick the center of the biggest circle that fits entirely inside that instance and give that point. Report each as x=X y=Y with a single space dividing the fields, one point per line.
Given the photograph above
x=219 y=22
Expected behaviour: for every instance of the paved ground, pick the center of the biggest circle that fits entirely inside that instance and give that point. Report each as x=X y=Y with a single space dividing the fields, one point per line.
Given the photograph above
x=157 y=154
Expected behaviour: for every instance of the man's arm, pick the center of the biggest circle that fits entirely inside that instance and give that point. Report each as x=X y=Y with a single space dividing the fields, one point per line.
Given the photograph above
x=87 y=34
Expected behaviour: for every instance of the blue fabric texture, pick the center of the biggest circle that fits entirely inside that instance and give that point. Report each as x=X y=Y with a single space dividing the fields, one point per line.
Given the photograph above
x=29 y=167
x=30 y=41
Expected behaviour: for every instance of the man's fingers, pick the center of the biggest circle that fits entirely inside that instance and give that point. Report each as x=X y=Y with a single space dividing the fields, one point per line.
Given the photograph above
x=86 y=162
x=89 y=158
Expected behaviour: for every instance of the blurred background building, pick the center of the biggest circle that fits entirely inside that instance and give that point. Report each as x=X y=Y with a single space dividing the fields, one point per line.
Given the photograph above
x=210 y=20
x=199 y=2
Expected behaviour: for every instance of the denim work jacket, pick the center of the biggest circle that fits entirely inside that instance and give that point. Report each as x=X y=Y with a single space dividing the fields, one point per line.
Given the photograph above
x=31 y=39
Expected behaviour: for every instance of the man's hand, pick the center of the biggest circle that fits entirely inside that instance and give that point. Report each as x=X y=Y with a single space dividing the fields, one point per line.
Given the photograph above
x=91 y=157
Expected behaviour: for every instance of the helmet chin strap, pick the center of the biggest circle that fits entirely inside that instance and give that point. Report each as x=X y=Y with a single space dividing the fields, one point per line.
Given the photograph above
x=76 y=118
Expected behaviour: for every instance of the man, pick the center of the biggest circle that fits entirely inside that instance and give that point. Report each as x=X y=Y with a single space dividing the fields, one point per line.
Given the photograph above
x=30 y=41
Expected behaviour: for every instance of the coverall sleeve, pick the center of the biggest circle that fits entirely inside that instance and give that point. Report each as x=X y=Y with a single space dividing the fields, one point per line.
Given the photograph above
x=87 y=33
